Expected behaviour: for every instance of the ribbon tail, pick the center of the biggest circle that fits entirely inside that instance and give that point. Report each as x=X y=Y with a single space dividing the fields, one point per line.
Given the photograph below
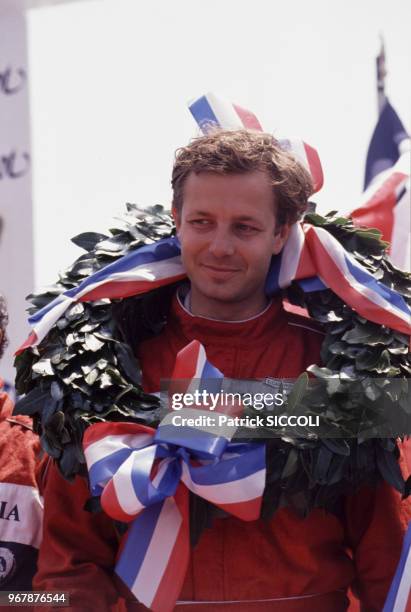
x=355 y=285
x=235 y=485
x=154 y=557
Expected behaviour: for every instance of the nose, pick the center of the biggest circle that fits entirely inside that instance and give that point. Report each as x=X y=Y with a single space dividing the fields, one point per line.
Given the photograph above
x=221 y=244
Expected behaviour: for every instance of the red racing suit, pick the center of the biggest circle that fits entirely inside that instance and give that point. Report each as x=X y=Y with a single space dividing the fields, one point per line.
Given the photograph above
x=288 y=564
x=21 y=508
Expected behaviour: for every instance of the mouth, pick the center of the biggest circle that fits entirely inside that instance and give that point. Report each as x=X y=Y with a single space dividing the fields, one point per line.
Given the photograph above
x=220 y=269
x=219 y=272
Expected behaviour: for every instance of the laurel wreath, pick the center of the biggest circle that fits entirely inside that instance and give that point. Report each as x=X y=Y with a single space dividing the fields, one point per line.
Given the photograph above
x=85 y=371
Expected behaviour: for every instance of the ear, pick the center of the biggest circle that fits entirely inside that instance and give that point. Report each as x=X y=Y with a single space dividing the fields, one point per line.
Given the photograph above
x=176 y=217
x=280 y=238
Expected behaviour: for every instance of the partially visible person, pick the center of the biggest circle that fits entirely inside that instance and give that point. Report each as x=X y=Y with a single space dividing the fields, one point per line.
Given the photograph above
x=21 y=508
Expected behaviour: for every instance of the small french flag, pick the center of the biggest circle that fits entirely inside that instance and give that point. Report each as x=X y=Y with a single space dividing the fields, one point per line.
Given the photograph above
x=211 y=111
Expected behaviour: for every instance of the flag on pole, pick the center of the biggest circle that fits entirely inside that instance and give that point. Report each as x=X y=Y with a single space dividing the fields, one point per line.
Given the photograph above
x=388 y=141
x=381 y=74
x=385 y=203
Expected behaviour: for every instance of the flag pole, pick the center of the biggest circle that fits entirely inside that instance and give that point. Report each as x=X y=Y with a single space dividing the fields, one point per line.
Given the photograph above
x=381 y=74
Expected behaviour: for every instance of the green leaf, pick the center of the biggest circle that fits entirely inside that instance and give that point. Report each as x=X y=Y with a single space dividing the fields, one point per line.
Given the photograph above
x=82 y=268
x=390 y=470
x=105 y=381
x=371 y=390
x=43 y=367
x=291 y=464
x=74 y=312
x=337 y=446
x=92 y=376
x=322 y=464
x=68 y=462
x=366 y=335
x=297 y=392
x=128 y=362
x=56 y=390
x=49 y=447
x=115 y=245
x=32 y=402
x=338 y=348
x=56 y=423
x=398 y=350
x=92 y=343
x=23 y=363
x=324 y=373
x=88 y=240
x=368 y=358
x=315 y=219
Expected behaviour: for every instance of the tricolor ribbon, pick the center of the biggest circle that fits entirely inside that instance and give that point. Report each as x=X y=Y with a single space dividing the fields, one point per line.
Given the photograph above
x=143 y=477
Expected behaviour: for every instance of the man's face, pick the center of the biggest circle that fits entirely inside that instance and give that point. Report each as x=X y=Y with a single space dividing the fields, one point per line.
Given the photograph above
x=228 y=233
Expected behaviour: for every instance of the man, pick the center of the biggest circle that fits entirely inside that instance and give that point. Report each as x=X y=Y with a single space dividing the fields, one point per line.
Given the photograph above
x=236 y=194
x=20 y=505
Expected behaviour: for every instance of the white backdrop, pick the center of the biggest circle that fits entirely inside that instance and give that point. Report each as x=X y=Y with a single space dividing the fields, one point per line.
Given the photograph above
x=16 y=242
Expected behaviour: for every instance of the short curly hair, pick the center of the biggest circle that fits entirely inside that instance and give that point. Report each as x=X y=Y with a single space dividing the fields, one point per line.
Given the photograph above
x=241 y=151
x=3 y=323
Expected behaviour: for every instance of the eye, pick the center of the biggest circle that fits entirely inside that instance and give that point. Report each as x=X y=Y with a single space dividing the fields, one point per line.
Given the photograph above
x=200 y=222
x=243 y=228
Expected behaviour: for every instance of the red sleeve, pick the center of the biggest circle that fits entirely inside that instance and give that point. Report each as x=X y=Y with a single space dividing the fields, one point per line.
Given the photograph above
x=375 y=529
x=78 y=551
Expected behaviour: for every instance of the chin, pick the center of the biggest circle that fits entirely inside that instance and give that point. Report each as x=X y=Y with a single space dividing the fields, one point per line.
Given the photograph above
x=221 y=293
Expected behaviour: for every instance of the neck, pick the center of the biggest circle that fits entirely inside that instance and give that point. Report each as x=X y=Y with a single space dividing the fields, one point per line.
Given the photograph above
x=226 y=311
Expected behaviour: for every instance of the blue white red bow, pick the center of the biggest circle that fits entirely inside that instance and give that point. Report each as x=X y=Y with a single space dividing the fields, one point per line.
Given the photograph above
x=311 y=256
x=399 y=596
x=211 y=111
x=144 y=476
